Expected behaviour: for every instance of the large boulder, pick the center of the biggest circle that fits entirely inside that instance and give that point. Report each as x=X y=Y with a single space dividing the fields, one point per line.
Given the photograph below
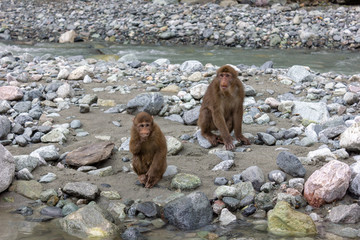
x=286 y=222
x=151 y=103
x=299 y=73
x=290 y=164
x=191 y=66
x=327 y=184
x=90 y=222
x=30 y=189
x=350 y=138
x=190 y=212
x=345 y=214
x=81 y=190
x=7 y=170
x=67 y=37
x=5 y=127
x=255 y=175
x=311 y=111
x=90 y=154
x=10 y=93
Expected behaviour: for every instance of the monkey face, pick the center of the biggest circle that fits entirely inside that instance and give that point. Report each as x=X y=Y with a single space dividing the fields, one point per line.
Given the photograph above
x=144 y=129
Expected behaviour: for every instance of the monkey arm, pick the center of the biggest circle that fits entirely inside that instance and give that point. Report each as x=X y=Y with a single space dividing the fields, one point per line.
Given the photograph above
x=135 y=146
x=157 y=168
x=238 y=116
x=220 y=123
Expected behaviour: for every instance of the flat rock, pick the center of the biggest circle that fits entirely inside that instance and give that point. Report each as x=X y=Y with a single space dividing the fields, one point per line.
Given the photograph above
x=90 y=154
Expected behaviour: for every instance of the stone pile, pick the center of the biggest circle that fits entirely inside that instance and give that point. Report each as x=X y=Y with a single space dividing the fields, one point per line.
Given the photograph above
x=170 y=22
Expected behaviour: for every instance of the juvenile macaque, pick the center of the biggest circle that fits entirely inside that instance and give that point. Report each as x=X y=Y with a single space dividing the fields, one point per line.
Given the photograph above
x=222 y=108
x=149 y=149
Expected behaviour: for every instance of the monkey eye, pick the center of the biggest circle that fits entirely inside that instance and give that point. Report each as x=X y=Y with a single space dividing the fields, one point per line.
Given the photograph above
x=225 y=75
x=142 y=125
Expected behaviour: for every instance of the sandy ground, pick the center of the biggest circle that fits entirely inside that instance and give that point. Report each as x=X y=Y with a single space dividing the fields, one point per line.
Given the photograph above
x=193 y=159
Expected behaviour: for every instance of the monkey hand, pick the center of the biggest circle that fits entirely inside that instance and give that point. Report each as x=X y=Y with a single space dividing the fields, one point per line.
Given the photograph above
x=229 y=145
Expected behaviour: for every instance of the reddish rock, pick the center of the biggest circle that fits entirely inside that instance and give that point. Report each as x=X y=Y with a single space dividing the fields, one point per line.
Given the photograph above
x=293 y=192
x=90 y=154
x=10 y=93
x=327 y=184
x=218 y=206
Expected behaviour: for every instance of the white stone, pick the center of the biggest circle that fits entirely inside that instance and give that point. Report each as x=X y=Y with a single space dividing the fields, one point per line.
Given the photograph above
x=312 y=111
x=198 y=91
x=350 y=138
x=322 y=154
x=196 y=77
x=67 y=37
x=226 y=217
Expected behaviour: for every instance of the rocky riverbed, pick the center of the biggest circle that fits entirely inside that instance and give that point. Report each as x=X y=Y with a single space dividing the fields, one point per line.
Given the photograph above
x=65 y=128
x=142 y=22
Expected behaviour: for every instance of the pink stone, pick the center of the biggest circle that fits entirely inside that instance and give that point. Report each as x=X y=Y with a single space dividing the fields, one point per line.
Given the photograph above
x=327 y=184
x=353 y=88
x=10 y=93
x=293 y=192
x=272 y=102
x=218 y=206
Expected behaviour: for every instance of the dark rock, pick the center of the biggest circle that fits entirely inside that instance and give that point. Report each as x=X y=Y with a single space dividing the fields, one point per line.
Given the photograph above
x=149 y=209
x=290 y=164
x=25 y=211
x=190 y=212
x=249 y=210
x=231 y=203
x=51 y=211
x=132 y=233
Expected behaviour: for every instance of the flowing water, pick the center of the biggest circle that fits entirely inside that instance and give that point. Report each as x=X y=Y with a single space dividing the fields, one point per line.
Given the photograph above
x=336 y=61
x=14 y=227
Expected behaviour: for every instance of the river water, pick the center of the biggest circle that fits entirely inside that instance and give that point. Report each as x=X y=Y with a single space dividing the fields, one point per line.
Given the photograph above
x=14 y=227
x=336 y=61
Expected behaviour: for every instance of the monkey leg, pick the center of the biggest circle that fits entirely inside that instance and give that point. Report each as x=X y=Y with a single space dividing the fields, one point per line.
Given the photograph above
x=212 y=138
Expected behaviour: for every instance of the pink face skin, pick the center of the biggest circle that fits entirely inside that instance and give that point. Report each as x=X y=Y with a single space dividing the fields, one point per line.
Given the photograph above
x=144 y=130
x=225 y=79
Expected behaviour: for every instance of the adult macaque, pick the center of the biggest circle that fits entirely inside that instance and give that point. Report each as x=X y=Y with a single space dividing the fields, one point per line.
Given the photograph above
x=149 y=149
x=222 y=108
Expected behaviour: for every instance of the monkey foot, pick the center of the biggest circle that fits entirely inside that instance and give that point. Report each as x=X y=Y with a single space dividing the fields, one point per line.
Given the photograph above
x=142 y=179
x=244 y=140
x=152 y=181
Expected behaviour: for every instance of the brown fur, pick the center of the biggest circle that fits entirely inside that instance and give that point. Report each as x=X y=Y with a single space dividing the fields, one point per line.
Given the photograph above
x=149 y=149
x=222 y=108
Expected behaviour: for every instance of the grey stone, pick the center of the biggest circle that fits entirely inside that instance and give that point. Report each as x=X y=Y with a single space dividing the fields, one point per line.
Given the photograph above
x=290 y=164
x=7 y=170
x=190 y=212
x=5 y=127
x=82 y=190
x=148 y=102
x=254 y=175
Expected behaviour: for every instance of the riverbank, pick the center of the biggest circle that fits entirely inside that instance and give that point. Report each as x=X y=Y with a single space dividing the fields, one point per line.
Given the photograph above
x=141 y=22
x=68 y=103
